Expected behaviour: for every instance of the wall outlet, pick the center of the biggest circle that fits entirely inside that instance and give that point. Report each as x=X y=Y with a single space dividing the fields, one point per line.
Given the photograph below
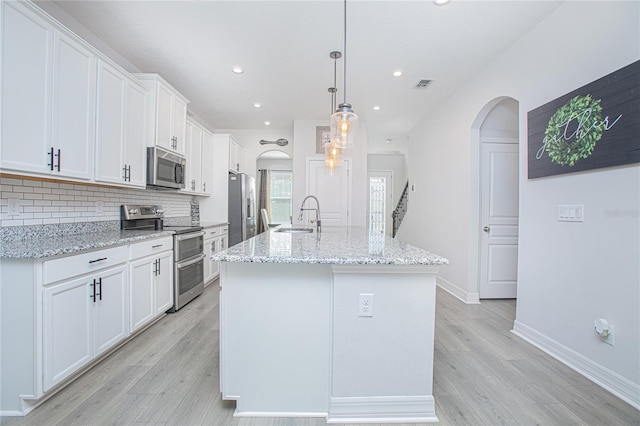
x=365 y=305
x=13 y=207
x=99 y=207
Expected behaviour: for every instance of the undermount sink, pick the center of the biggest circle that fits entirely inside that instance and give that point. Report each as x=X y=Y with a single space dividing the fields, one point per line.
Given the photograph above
x=295 y=230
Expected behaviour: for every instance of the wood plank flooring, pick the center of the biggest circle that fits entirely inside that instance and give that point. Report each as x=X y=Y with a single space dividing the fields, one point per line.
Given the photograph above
x=483 y=375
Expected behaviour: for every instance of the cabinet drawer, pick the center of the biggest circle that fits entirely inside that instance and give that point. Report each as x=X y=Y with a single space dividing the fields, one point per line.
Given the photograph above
x=224 y=230
x=149 y=247
x=211 y=232
x=80 y=264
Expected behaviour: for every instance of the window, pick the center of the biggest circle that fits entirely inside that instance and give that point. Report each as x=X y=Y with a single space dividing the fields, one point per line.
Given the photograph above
x=281 y=192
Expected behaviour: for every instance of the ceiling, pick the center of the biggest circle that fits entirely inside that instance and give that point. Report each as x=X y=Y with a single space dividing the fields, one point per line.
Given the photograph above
x=284 y=49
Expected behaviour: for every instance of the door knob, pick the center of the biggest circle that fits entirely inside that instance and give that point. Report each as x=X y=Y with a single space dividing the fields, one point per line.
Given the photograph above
x=486 y=229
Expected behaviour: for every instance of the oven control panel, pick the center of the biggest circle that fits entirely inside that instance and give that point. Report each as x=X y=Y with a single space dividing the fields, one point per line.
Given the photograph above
x=135 y=211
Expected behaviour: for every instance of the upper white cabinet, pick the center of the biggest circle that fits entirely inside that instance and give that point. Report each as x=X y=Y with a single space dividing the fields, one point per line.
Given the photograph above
x=48 y=97
x=235 y=156
x=207 y=163
x=167 y=123
x=120 y=128
x=228 y=153
x=199 y=154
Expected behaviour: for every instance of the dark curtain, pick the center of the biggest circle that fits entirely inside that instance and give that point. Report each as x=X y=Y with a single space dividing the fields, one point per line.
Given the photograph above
x=263 y=197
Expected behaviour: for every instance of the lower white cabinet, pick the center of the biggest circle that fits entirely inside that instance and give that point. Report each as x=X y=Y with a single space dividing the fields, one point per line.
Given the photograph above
x=83 y=317
x=151 y=271
x=215 y=240
x=61 y=314
x=151 y=288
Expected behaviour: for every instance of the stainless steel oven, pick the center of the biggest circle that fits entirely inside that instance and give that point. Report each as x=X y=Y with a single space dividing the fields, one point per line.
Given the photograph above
x=188 y=270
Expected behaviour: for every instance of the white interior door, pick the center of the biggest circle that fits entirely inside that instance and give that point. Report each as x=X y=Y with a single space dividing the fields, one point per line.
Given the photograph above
x=332 y=190
x=385 y=206
x=499 y=233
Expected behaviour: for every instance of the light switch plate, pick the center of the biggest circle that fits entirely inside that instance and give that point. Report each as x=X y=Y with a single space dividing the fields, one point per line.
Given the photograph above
x=571 y=213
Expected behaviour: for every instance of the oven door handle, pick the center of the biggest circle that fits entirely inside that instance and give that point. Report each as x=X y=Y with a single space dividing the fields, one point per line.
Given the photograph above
x=190 y=262
x=189 y=236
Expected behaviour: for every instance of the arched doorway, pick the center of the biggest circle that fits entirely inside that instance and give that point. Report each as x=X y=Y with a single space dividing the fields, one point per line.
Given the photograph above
x=496 y=145
x=274 y=172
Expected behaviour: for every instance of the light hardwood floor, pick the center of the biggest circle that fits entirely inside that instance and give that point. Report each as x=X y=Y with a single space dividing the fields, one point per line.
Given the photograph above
x=483 y=375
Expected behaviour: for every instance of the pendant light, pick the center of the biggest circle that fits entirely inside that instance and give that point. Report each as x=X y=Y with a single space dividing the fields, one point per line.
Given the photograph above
x=331 y=150
x=344 y=122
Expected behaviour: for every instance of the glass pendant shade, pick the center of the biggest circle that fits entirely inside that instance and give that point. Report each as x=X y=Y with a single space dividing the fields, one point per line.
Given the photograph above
x=332 y=156
x=344 y=126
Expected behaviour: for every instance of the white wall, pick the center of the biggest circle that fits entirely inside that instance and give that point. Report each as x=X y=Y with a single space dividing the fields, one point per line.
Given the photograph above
x=304 y=134
x=397 y=164
x=251 y=148
x=569 y=274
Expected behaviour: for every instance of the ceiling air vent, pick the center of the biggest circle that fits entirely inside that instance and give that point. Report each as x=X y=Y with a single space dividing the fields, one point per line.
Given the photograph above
x=422 y=84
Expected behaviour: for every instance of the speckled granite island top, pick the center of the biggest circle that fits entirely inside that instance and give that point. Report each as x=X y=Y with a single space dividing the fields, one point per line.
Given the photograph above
x=53 y=246
x=340 y=245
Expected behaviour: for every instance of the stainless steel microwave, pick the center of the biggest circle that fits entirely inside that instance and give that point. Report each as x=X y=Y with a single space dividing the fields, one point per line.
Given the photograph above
x=165 y=169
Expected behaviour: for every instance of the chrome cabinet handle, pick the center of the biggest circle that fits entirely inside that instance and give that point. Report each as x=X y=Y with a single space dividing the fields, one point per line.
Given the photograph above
x=486 y=229
x=98 y=260
x=157 y=245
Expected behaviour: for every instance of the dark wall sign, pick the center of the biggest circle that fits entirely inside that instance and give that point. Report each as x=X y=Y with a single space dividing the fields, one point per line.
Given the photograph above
x=597 y=125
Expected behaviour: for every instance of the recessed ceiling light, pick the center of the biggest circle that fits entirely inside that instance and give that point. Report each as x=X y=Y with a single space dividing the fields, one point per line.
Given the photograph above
x=388 y=140
x=397 y=73
x=267 y=123
x=440 y=2
x=237 y=70
x=257 y=105
x=376 y=108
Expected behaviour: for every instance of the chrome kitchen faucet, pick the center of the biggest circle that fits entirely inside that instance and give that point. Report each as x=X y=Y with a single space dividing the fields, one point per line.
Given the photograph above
x=317 y=210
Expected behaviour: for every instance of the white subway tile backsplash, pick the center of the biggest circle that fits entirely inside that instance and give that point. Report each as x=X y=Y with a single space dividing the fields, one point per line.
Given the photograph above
x=44 y=203
x=11 y=181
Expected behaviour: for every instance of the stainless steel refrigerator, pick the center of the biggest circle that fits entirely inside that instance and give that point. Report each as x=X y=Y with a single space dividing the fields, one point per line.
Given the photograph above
x=242 y=207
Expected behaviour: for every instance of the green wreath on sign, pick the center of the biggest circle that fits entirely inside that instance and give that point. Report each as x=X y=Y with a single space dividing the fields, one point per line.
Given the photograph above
x=567 y=149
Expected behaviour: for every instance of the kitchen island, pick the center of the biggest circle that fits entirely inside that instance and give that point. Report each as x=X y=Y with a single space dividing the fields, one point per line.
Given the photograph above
x=337 y=324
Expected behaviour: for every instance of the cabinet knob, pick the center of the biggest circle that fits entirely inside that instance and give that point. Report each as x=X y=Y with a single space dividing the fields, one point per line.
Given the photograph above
x=486 y=229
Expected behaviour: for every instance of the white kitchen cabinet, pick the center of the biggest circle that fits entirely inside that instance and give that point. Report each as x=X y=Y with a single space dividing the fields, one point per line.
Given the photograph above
x=207 y=163
x=167 y=122
x=120 y=128
x=48 y=97
x=83 y=317
x=199 y=155
x=67 y=329
x=151 y=270
x=215 y=240
x=235 y=156
x=226 y=144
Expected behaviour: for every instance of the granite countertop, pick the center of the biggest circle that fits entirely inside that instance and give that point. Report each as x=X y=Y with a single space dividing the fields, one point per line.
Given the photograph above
x=340 y=245
x=186 y=221
x=207 y=225
x=36 y=248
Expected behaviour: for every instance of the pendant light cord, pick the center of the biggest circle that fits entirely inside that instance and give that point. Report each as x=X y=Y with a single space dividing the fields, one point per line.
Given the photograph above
x=344 y=53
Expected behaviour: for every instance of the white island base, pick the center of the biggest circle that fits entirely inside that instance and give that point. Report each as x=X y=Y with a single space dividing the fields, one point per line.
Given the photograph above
x=293 y=343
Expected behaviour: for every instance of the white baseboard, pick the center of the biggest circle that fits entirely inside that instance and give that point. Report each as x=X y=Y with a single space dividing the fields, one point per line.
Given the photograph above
x=620 y=386
x=466 y=297
x=277 y=414
x=382 y=409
